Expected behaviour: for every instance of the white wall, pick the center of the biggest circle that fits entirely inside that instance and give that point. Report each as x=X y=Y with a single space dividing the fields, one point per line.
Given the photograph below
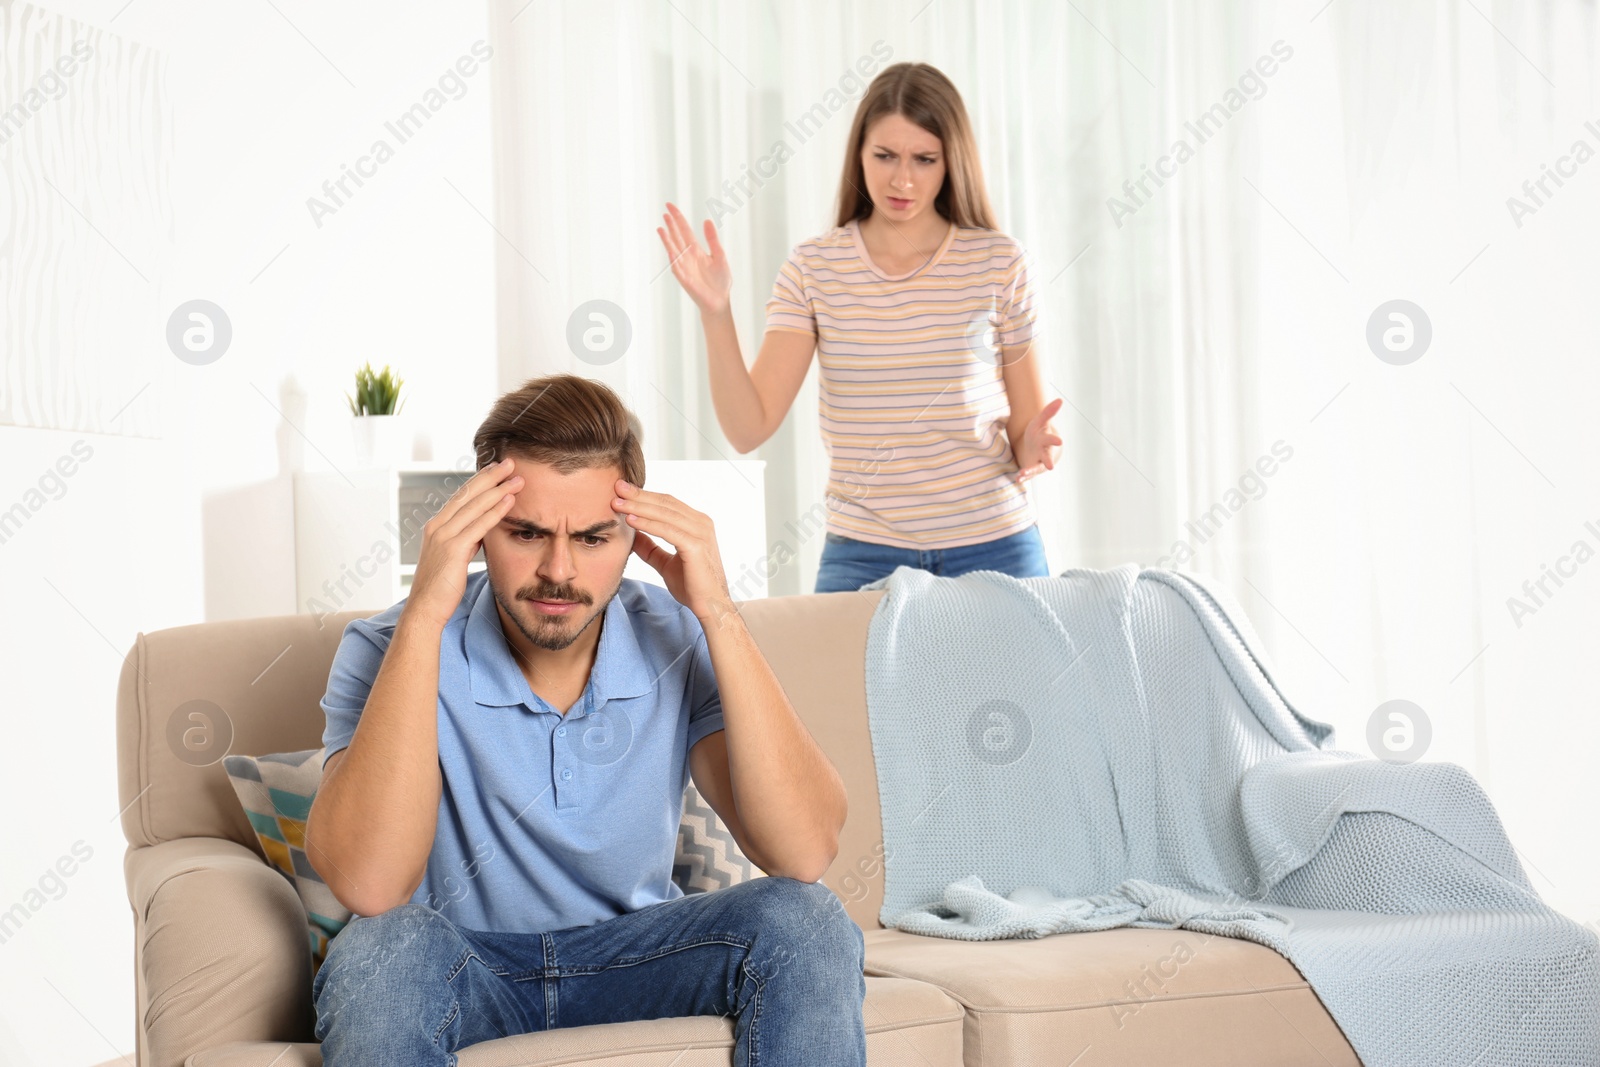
x=195 y=525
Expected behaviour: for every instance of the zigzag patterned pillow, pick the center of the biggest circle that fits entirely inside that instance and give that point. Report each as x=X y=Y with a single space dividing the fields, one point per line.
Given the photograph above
x=276 y=792
x=708 y=858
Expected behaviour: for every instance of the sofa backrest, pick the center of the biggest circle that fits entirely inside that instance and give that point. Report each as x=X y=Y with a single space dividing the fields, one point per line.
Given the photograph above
x=190 y=694
x=817 y=646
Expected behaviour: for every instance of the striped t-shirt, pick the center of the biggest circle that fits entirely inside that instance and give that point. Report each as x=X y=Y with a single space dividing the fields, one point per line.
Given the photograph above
x=912 y=400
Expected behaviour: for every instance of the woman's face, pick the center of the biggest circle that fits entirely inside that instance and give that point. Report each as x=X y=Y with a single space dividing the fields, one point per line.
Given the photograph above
x=904 y=168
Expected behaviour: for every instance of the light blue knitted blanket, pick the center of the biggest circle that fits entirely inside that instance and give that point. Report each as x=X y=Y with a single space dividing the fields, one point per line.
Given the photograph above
x=1107 y=748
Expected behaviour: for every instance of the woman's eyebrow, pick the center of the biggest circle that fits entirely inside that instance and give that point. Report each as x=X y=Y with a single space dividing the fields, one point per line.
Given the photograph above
x=534 y=528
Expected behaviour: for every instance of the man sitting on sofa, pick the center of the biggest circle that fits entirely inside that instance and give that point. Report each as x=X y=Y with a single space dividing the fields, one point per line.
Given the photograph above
x=507 y=752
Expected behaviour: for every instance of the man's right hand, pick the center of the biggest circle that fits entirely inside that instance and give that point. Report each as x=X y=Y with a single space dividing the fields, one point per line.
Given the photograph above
x=372 y=825
x=452 y=537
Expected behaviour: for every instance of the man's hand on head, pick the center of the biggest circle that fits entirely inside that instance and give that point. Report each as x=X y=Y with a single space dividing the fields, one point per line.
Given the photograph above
x=693 y=574
x=453 y=536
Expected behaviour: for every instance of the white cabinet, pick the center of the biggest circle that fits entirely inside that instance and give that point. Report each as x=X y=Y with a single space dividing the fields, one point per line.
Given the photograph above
x=357 y=532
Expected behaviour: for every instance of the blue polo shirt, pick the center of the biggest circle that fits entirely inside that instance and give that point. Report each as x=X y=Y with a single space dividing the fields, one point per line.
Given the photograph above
x=545 y=821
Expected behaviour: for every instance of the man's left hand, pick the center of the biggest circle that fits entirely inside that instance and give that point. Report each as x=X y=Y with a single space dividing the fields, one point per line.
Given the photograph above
x=693 y=574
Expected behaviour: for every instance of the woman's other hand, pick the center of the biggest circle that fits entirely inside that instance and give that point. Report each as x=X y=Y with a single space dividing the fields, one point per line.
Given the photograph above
x=1040 y=447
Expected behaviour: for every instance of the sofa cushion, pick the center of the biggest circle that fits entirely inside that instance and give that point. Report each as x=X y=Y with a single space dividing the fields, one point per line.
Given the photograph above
x=1133 y=995
x=909 y=1024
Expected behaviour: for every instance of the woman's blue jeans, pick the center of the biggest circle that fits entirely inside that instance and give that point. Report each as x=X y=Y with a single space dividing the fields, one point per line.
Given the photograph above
x=779 y=956
x=849 y=564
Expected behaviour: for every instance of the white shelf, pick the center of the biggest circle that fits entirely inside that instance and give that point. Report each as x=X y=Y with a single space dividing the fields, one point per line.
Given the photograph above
x=408 y=569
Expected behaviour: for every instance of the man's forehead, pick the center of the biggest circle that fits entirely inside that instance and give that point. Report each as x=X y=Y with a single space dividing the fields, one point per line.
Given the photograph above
x=578 y=479
x=552 y=500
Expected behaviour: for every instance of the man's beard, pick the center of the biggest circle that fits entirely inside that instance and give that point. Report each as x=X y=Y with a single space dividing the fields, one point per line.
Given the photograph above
x=552 y=632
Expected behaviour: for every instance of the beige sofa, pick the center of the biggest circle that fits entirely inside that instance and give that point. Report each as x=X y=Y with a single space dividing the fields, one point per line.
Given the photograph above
x=221 y=961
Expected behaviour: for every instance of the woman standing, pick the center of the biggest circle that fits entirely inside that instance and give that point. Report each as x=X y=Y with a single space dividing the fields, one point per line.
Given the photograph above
x=922 y=315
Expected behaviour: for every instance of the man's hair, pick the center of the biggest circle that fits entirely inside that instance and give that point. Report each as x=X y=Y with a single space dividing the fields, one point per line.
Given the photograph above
x=566 y=422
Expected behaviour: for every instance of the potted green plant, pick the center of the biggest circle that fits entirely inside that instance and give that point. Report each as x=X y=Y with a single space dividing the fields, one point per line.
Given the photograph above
x=382 y=438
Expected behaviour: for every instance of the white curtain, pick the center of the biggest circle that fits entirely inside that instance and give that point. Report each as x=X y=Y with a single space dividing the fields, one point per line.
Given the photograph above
x=1422 y=497
x=1208 y=329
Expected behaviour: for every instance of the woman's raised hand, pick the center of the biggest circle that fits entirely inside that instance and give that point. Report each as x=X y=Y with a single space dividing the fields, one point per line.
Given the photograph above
x=704 y=275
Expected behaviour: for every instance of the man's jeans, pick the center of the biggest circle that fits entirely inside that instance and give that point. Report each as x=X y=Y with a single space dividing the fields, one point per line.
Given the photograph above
x=779 y=956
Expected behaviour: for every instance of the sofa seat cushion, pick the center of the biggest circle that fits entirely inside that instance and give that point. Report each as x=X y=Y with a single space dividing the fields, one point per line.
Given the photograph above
x=1135 y=996
x=909 y=1024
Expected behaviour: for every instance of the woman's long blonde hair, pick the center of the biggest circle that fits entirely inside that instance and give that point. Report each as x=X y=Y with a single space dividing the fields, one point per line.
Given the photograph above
x=923 y=95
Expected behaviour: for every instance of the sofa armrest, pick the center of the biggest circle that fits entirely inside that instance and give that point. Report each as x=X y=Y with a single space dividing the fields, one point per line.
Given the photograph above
x=221 y=950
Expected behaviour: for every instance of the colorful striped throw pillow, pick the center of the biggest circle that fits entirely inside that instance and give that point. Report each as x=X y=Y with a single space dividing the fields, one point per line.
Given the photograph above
x=276 y=792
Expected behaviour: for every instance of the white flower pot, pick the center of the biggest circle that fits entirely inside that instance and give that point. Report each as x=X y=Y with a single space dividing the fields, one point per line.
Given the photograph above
x=382 y=440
